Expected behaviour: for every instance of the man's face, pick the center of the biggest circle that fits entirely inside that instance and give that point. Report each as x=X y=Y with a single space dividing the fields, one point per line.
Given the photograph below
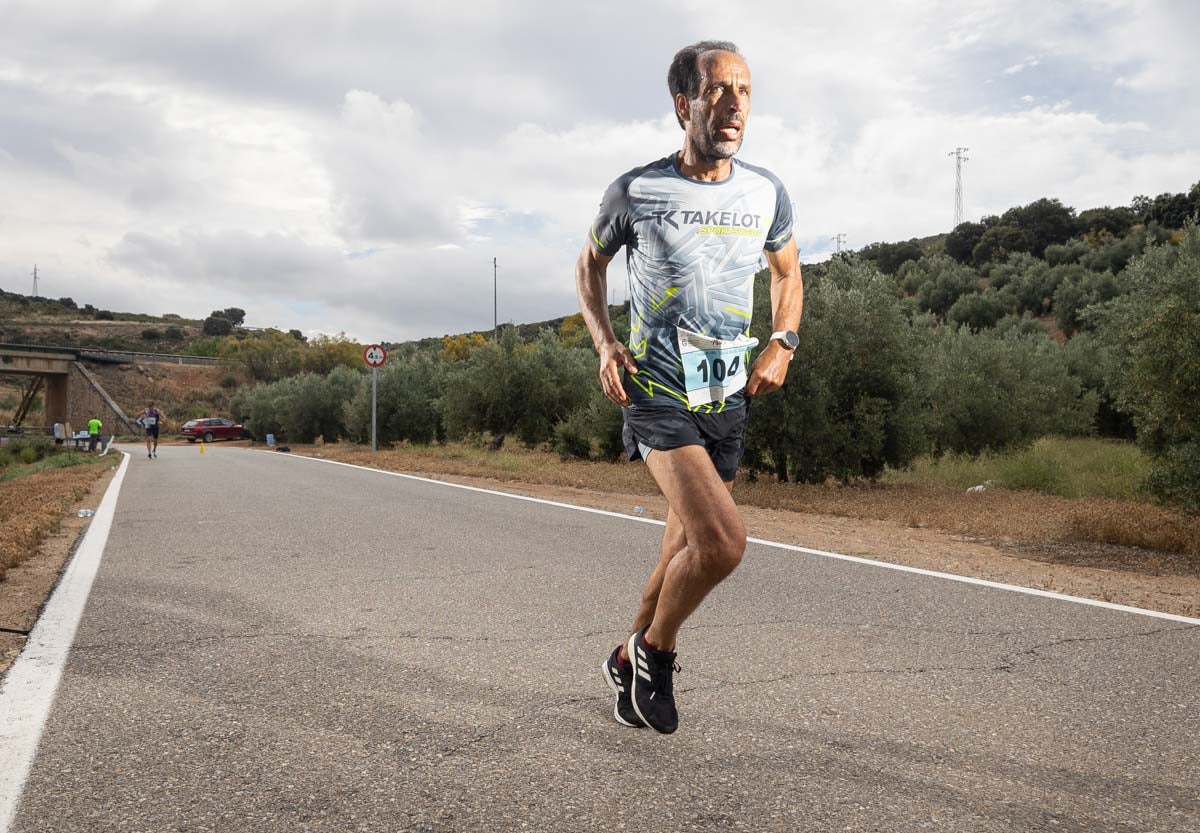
x=715 y=121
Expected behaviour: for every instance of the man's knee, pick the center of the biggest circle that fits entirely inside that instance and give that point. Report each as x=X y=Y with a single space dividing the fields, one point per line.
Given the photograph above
x=722 y=545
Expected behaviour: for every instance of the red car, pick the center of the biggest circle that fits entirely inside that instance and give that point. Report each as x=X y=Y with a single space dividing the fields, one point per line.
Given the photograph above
x=213 y=429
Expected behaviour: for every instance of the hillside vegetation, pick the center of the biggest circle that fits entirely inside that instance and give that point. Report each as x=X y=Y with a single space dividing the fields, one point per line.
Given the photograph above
x=1039 y=322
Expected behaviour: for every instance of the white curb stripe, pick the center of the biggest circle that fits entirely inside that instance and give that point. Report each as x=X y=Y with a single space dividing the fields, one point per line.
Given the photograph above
x=995 y=585
x=29 y=688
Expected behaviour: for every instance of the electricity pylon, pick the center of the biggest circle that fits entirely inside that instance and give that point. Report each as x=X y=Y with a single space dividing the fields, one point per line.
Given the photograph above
x=957 y=153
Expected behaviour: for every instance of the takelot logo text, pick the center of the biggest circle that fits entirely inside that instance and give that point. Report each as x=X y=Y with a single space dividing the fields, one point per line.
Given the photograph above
x=732 y=219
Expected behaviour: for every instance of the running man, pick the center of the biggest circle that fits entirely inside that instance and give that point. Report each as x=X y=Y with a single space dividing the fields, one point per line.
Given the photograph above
x=150 y=419
x=694 y=225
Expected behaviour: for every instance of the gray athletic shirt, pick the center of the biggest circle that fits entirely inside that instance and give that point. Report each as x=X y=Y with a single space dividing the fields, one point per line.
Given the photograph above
x=693 y=250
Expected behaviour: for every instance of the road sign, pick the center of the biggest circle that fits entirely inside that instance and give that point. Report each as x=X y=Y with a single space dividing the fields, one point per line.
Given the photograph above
x=374 y=355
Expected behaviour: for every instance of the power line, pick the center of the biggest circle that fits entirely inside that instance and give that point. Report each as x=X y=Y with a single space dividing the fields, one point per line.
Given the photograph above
x=839 y=241
x=957 y=153
x=495 y=297
x=35 y=280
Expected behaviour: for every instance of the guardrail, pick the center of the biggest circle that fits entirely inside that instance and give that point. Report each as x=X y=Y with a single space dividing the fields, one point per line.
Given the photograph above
x=129 y=356
x=115 y=356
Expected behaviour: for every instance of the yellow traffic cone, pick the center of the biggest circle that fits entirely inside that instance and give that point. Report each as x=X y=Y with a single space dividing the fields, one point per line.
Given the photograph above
x=201 y=447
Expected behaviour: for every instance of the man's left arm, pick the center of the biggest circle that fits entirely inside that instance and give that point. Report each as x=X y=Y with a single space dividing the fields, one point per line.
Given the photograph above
x=787 y=304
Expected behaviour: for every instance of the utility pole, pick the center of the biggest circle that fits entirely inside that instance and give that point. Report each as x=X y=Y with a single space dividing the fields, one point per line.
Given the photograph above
x=839 y=240
x=495 y=299
x=35 y=280
x=959 y=158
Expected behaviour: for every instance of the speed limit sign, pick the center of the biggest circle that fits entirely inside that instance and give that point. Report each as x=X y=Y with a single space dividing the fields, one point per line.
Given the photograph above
x=374 y=355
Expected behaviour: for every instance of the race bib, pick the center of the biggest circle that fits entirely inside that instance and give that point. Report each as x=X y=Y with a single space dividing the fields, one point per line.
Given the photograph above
x=713 y=368
x=151 y=421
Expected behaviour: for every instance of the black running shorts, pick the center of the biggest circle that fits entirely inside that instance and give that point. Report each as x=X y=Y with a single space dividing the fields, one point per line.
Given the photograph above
x=152 y=431
x=662 y=429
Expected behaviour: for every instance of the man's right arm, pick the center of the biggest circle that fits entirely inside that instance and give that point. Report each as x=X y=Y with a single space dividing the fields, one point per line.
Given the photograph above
x=591 y=282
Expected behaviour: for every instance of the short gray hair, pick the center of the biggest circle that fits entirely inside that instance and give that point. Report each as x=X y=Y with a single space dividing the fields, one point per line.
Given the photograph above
x=684 y=73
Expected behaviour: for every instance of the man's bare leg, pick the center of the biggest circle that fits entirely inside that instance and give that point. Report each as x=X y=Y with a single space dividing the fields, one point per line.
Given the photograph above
x=674 y=540
x=713 y=534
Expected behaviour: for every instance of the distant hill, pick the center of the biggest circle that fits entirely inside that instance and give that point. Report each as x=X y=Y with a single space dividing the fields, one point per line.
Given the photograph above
x=25 y=319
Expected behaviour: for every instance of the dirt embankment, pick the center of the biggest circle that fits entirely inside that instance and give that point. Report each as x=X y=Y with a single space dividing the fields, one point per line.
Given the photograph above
x=39 y=525
x=1022 y=538
x=181 y=391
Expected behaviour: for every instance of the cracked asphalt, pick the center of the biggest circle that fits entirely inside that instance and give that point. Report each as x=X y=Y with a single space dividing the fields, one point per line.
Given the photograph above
x=275 y=644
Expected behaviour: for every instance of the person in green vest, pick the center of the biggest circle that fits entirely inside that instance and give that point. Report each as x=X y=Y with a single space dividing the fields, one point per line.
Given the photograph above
x=94 y=426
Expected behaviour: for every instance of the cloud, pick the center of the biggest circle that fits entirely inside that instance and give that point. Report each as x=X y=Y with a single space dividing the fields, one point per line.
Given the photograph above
x=358 y=167
x=1028 y=63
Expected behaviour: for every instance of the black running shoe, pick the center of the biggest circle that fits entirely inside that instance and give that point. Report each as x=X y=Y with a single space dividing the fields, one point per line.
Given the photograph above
x=653 y=699
x=620 y=678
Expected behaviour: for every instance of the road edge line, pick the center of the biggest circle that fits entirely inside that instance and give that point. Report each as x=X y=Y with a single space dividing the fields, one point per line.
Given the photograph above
x=31 y=682
x=855 y=559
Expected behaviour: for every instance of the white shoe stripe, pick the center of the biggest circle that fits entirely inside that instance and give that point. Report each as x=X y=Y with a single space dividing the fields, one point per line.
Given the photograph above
x=643 y=675
x=643 y=666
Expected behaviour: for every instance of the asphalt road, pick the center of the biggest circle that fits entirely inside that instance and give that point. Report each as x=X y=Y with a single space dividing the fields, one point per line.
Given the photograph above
x=276 y=644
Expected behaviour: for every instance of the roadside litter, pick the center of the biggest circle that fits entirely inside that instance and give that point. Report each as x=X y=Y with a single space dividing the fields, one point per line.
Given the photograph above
x=86 y=513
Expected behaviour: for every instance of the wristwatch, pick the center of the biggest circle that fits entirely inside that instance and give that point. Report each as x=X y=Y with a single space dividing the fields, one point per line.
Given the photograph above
x=787 y=339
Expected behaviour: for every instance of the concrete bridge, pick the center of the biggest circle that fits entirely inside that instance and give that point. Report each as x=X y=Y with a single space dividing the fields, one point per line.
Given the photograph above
x=70 y=391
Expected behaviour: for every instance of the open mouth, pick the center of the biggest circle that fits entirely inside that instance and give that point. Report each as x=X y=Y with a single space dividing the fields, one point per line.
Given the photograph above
x=729 y=131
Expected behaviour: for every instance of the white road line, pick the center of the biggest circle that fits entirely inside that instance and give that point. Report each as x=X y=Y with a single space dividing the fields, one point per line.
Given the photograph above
x=995 y=585
x=29 y=688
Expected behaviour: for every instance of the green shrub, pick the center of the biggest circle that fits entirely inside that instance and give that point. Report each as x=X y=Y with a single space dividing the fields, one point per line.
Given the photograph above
x=210 y=347
x=572 y=437
x=1154 y=334
x=174 y=333
x=851 y=404
x=593 y=430
x=301 y=407
x=989 y=391
x=407 y=402
x=28 y=454
x=216 y=326
x=937 y=282
x=1089 y=359
x=151 y=334
x=1070 y=252
x=977 y=311
x=1019 y=325
x=1078 y=292
x=507 y=387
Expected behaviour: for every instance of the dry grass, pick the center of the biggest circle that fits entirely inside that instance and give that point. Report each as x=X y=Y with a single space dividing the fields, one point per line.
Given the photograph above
x=1002 y=515
x=511 y=464
x=31 y=507
x=1135 y=525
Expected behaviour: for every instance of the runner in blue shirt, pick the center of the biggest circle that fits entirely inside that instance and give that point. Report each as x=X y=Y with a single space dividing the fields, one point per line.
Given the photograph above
x=694 y=224
x=151 y=419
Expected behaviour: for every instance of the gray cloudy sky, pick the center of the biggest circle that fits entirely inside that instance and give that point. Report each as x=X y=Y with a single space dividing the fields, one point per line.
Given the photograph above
x=355 y=166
